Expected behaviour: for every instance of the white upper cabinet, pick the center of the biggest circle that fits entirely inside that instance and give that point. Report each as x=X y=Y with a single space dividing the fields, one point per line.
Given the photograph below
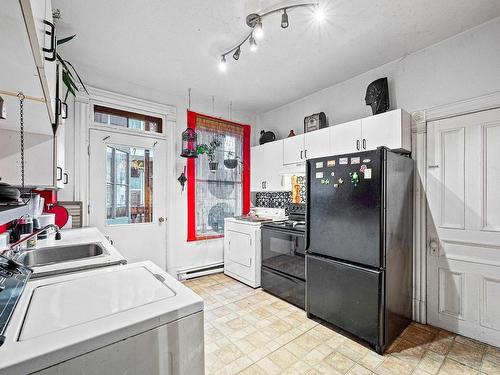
x=265 y=166
x=317 y=144
x=42 y=36
x=293 y=149
x=390 y=129
x=345 y=138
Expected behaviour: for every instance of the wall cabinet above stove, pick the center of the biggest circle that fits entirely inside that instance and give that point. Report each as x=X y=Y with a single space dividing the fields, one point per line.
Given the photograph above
x=265 y=166
x=301 y=147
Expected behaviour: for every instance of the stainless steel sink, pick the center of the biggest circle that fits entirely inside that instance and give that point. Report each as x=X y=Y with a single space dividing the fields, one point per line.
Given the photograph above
x=58 y=254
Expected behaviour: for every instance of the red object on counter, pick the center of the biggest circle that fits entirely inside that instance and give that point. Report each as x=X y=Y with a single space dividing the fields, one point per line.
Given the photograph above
x=62 y=215
x=3 y=228
x=49 y=196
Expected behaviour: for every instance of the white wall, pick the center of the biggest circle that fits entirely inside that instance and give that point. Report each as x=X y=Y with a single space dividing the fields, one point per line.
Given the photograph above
x=180 y=253
x=464 y=66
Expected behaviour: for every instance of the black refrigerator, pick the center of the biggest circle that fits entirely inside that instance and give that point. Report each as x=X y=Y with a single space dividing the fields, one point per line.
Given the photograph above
x=359 y=237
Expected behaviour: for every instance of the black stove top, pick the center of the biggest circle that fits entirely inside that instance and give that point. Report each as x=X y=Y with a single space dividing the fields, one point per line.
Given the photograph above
x=13 y=279
x=296 y=219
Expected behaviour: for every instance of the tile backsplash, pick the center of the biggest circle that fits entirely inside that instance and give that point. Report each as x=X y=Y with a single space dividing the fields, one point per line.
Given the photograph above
x=273 y=199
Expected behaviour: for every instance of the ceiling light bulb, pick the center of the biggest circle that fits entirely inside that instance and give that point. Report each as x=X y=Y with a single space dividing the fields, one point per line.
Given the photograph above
x=319 y=13
x=284 y=19
x=236 y=54
x=223 y=64
x=253 y=44
x=258 y=32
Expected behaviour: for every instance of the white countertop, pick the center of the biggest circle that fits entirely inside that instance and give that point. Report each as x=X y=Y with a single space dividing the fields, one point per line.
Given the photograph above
x=79 y=316
x=76 y=237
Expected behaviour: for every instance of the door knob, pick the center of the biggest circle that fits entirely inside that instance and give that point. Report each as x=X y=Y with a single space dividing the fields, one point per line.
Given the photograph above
x=161 y=219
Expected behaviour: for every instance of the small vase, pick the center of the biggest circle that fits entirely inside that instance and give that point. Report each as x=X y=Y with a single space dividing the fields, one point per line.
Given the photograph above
x=291 y=134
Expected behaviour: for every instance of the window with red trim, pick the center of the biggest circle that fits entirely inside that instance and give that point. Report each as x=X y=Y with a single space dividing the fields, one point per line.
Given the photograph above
x=219 y=178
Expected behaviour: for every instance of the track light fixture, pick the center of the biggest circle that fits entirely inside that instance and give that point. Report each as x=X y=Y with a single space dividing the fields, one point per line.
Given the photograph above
x=254 y=21
x=223 y=64
x=284 y=19
x=236 y=54
x=253 y=44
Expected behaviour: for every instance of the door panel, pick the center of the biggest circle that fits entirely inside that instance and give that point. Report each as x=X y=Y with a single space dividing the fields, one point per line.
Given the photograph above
x=463 y=225
x=239 y=248
x=317 y=144
x=347 y=296
x=346 y=138
x=138 y=232
x=293 y=149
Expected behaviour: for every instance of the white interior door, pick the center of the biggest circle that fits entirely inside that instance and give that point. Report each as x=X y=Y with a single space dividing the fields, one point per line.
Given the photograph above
x=463 y=179
x=127 y=193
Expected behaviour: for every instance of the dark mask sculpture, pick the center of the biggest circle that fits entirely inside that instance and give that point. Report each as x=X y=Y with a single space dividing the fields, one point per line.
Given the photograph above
x=377 y=95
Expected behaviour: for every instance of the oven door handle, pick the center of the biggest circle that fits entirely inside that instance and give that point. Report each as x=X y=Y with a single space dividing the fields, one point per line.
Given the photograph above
x=283 y=230
x=280 y=274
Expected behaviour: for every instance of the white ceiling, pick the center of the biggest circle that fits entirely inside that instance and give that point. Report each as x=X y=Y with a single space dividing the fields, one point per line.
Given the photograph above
x=170 y=46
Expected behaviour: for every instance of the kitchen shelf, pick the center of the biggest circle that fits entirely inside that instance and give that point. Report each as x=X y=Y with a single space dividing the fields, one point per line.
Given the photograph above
x=9 y=213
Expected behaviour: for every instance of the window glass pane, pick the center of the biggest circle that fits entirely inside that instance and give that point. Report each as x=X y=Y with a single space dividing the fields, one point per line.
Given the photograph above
x=101 y=118
x=118 y=120
x=218 y=180
x=130 y=191
x=121 y=167
x=131 y=120
x=135 y=124
x=109 y=161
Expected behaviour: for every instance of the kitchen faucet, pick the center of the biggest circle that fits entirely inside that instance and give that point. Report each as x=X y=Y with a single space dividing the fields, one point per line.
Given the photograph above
x=15 y=247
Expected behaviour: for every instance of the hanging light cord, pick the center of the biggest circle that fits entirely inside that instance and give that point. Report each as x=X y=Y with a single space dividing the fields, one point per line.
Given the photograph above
x=21 y=126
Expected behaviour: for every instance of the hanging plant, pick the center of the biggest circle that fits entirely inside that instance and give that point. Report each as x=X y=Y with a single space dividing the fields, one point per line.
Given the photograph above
x=231 y=160
x=67 y=74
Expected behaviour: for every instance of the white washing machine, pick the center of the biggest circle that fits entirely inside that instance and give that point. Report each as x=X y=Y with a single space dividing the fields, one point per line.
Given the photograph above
x=129 y=319
x=242 y=244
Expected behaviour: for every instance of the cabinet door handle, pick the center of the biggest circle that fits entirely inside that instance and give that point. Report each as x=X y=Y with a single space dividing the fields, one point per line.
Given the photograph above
x=364 y=143
x=357 y=144
x=59 y=174
x=65 y=178
x=301 y=152
x=264 y=185
x=305 y=154
x=64 y=112
x=53 y=44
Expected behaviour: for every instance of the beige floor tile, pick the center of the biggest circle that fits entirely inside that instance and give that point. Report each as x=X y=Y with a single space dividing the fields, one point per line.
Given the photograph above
x=393 y=366
x=466 y=354
x=249 y=331
x=254 y=369
x=451 y=367
x=491 y=364
x=371 y=360
x=431 y=362
x=339 y=362
x=359 y=370
x=283 y=358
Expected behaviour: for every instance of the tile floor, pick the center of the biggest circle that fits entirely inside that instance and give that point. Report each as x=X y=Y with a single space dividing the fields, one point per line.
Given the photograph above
x=248 y=331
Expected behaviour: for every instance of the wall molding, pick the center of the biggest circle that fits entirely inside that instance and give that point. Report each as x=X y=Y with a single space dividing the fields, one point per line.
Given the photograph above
x=463 y=107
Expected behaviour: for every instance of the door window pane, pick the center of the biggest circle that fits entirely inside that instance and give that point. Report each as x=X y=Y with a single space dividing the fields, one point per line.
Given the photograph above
x=129 y=190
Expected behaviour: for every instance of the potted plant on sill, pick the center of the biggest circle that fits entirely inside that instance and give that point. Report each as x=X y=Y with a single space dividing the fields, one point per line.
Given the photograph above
x=210 y=150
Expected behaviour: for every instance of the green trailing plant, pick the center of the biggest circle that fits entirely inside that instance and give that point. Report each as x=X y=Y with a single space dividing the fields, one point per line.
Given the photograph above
x=67 y=74
x=209 y=149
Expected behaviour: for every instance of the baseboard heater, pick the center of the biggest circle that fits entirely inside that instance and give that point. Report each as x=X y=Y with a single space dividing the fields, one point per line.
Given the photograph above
x=190 y=273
